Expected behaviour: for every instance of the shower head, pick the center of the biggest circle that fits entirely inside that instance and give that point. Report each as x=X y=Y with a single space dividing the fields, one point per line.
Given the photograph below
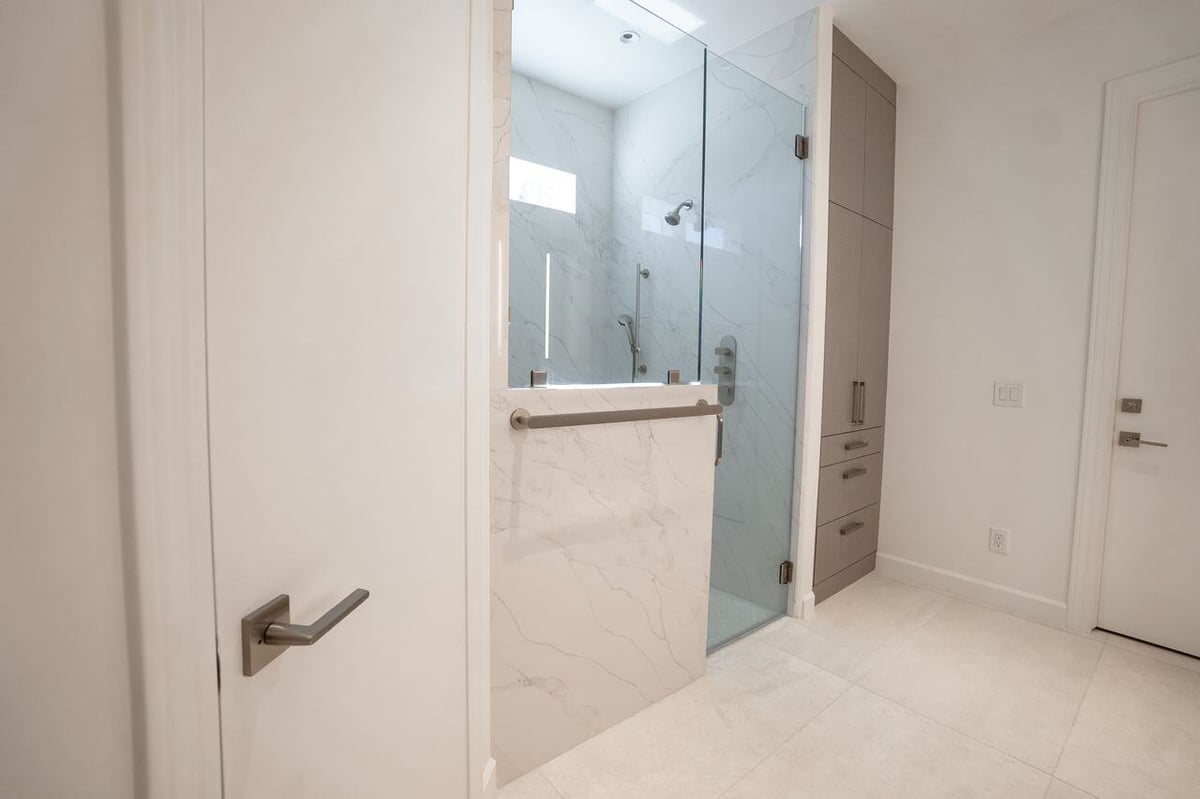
x=626 y=321
x=672 y=217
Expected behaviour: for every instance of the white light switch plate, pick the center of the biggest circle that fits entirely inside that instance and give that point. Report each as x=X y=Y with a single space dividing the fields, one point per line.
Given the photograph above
x=1008 y=395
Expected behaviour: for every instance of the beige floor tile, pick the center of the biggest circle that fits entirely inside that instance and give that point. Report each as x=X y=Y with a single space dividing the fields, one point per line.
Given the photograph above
x=698 y=741
x=865 y=747
x=1061 y=790
x=531 y=786
x=1009 y=683
x=1138 y=731
x=1156 y=652
x=851 y=628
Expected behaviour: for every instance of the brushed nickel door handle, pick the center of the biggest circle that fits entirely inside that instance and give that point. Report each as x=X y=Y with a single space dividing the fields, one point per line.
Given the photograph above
x=268 y=632
x=1127 y=438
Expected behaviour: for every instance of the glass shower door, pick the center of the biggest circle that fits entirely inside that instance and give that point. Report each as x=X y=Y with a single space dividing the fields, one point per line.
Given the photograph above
x=750 y=338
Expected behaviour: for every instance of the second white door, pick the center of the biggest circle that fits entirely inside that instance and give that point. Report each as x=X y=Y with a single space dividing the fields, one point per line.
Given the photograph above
x=1150 y=588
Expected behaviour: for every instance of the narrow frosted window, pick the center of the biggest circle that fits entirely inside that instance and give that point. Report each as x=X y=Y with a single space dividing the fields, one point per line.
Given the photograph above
x=537 y=184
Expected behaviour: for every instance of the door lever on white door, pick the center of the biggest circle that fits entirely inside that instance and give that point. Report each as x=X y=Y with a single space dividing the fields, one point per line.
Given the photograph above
x=268 y=632
x=1127 y=438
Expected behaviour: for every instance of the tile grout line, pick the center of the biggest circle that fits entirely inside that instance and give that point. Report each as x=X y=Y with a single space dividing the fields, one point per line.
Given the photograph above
x=791 y=737
x=1075 y=719
x=956 y=731
x=546 y=780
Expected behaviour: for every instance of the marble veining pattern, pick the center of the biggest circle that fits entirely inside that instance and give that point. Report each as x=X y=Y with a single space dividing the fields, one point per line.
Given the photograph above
x=556 y=129
x=784 y=57
x=601 y=542
x=658 y=163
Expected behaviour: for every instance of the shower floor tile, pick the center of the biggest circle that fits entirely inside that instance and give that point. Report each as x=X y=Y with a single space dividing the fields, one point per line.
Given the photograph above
x=730 y=616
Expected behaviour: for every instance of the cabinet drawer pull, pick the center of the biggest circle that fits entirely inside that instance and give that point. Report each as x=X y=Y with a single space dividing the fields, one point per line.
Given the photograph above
x=850 y=474
x=852 y=527
x=855 y=445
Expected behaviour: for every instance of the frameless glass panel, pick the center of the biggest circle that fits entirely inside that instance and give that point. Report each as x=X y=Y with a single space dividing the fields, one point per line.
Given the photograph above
x=753 y=203
x=605 y=182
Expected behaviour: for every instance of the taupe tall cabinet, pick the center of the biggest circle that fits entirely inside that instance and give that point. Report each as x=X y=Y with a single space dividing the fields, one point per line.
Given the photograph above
x=858 y=300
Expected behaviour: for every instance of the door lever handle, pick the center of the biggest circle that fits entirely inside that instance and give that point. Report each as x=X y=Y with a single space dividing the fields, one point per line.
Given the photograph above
x=278 y=634
x=268 y=632
x=1127 y=438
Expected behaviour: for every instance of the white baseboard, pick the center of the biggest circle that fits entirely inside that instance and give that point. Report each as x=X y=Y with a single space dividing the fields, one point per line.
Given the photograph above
x=488 y=782
x=1010 y=600
x=802 y=606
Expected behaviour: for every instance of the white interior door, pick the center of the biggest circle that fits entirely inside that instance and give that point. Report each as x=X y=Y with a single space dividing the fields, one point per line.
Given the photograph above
x=336 y=174
x=1150 y=587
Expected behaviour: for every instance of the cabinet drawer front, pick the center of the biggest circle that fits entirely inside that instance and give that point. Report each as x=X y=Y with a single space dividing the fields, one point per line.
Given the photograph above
x=848 y=446
x=847 y=487
x=845 y=541
x=827 y=588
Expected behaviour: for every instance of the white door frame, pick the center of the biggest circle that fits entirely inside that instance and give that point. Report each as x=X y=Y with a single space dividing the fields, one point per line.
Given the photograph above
x=1123 y=98
x=156 y=89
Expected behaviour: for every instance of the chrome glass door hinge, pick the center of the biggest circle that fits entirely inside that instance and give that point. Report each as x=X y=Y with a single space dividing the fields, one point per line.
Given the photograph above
x=801 y=147
x=786 y=570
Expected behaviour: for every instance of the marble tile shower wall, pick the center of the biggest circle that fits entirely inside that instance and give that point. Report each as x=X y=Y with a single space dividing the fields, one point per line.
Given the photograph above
x=658 y=163
x=563 y=131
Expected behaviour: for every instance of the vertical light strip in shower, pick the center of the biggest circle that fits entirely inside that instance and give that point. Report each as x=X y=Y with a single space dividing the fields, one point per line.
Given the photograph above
x=547 y=306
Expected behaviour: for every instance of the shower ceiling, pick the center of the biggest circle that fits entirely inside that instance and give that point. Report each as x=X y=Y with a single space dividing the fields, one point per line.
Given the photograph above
x=575 y=45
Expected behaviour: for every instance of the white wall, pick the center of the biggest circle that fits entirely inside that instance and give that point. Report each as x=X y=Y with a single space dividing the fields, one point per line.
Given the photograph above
x=65 y=719
x=996 y=179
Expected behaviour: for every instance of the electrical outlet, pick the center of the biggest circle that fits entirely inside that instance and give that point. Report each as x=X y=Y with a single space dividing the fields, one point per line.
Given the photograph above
x=998 y=541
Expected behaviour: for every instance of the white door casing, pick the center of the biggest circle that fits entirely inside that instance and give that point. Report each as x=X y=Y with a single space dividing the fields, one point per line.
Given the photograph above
x=1125 y=98
x=162 y=299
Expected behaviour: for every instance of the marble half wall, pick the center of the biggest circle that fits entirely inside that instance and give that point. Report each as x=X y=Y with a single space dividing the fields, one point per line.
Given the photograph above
x=601 y=540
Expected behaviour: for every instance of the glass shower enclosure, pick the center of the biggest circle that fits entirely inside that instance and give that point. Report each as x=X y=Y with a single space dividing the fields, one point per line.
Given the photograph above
x=656 y=225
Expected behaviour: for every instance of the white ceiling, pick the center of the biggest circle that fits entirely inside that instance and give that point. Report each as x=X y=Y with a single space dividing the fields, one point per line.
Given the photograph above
x=575 y=45
x=907 y=38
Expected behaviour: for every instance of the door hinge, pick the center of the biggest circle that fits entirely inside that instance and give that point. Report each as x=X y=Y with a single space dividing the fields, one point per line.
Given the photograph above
x=801 y=147
x=786 y=570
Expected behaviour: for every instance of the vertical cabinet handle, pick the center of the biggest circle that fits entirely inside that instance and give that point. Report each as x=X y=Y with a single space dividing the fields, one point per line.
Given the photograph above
x=720 y=438
x=858 y=403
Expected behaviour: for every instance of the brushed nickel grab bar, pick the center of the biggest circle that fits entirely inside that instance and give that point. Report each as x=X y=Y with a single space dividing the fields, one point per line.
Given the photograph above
x=522 y=419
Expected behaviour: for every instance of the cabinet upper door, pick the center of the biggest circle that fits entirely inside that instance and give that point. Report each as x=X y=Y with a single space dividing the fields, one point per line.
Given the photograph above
x=847 y=129
x=842 y=299
x=874 y=317
x=880 y=156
